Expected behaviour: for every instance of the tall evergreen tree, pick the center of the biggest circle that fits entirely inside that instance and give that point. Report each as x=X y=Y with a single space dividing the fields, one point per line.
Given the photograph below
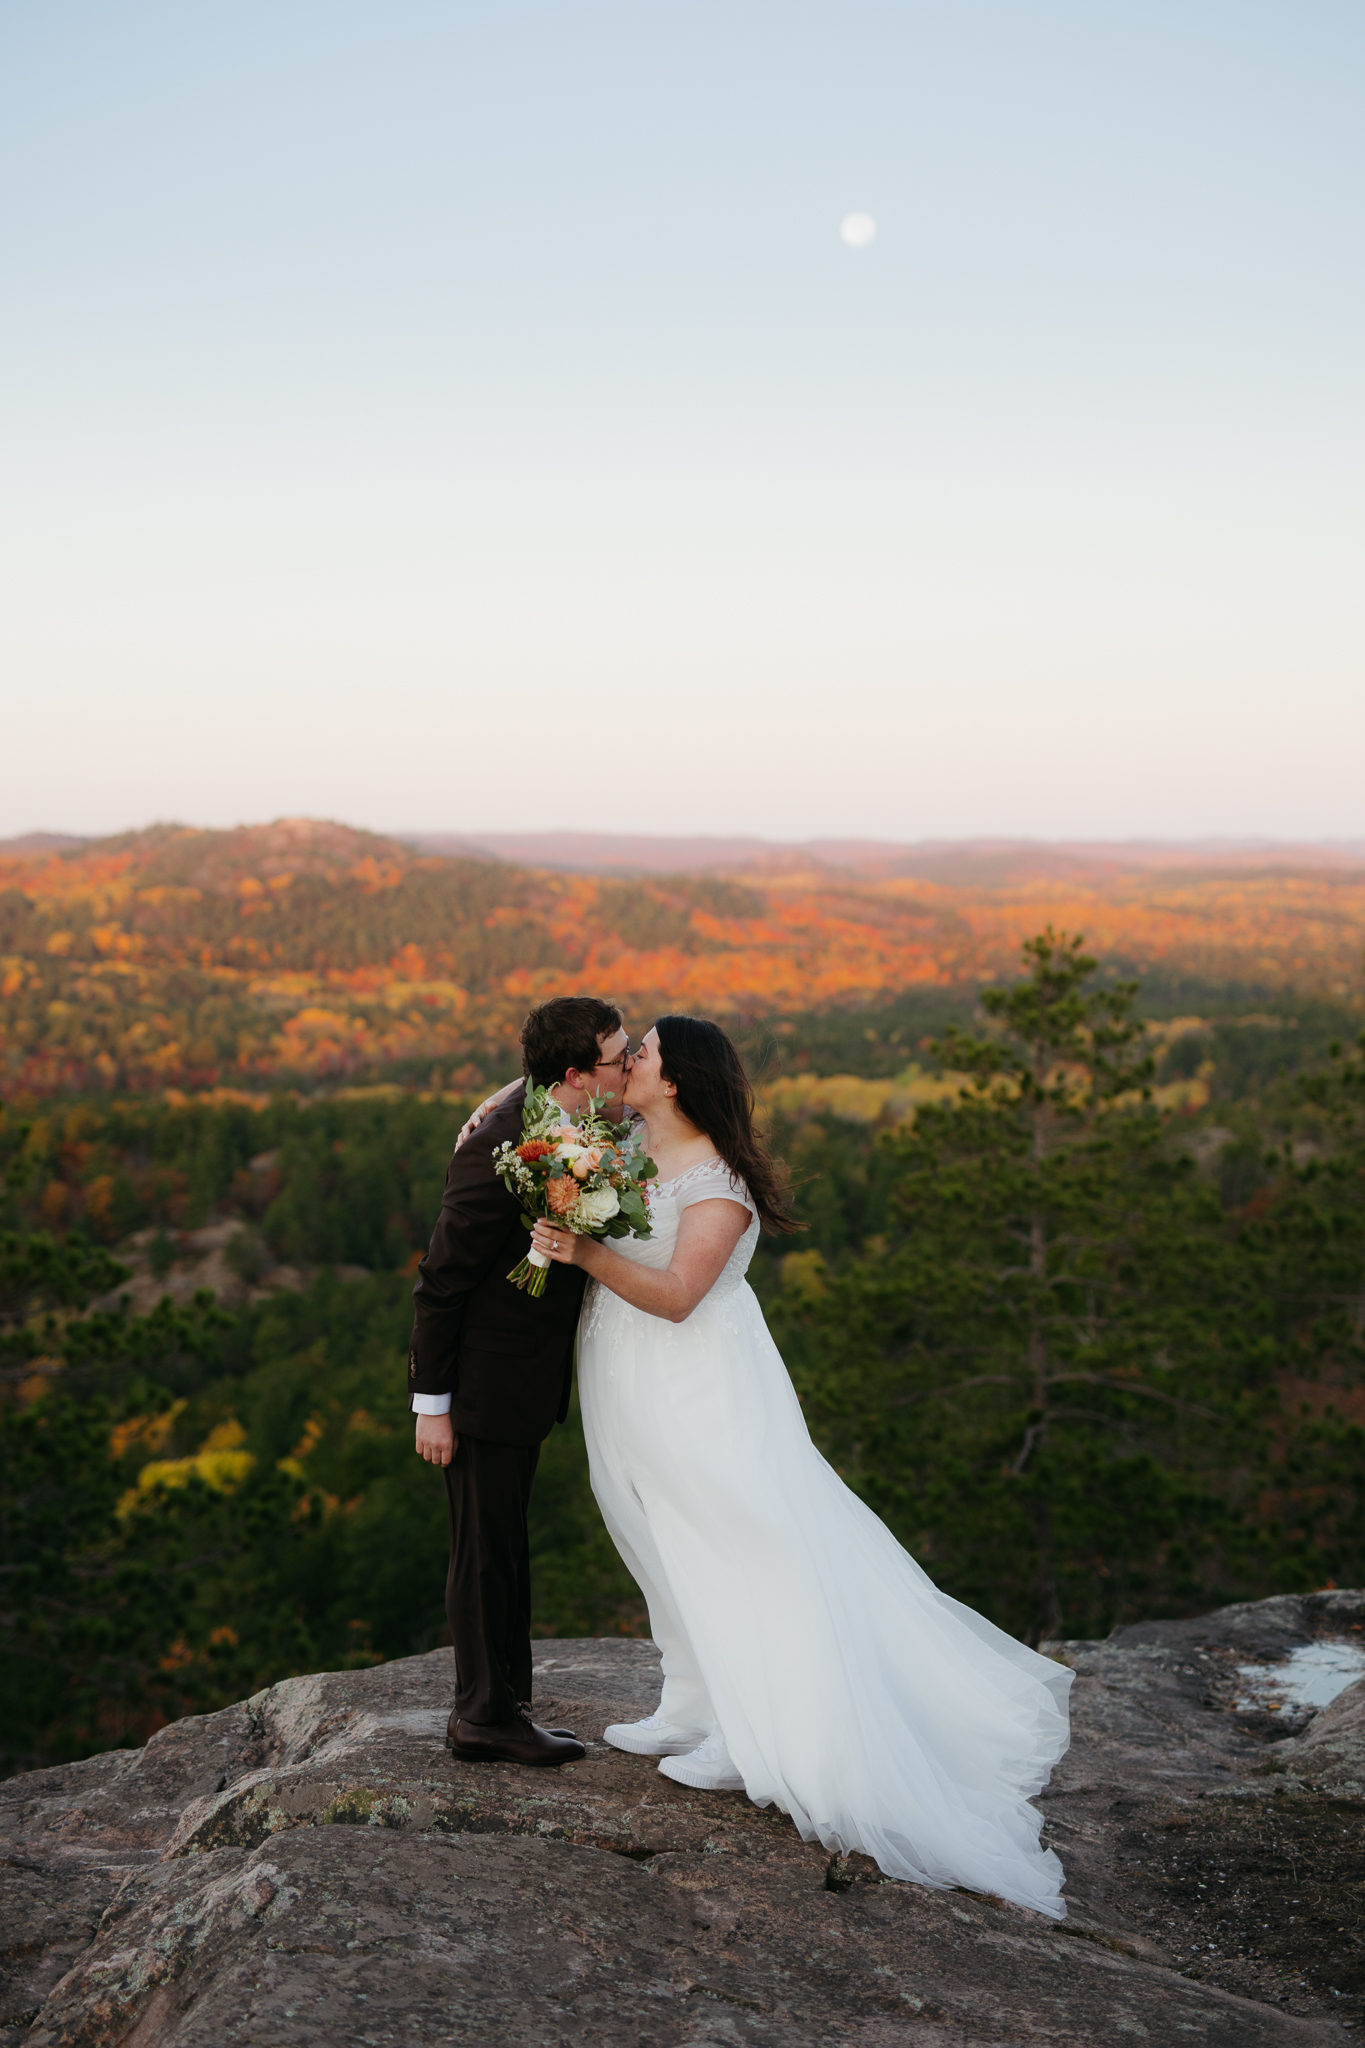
x=1024 y=1378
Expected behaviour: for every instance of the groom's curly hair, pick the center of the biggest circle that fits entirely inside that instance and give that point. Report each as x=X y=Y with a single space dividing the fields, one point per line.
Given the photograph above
x=565 y=1032
x=714 y=1093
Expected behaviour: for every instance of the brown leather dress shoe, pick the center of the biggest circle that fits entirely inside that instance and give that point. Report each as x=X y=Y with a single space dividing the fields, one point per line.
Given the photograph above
x=526 y=1709
x=510 y=1742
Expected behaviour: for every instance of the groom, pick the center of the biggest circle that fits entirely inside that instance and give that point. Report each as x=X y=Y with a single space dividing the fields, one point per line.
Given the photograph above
x=489 y=1369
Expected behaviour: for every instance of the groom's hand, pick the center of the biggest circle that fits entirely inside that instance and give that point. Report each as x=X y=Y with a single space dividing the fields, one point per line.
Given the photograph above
x=436 y=1440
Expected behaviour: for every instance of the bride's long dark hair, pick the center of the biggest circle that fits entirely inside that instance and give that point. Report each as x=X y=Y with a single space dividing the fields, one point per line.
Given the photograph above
x=714 y=1094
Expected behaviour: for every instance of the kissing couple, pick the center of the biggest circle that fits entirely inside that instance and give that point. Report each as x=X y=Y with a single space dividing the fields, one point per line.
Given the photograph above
x=808 y=1661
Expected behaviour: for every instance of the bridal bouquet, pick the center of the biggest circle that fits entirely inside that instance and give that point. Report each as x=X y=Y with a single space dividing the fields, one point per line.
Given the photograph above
x=588 y=1176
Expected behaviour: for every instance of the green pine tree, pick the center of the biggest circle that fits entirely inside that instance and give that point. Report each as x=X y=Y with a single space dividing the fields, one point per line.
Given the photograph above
x=1024 y=1378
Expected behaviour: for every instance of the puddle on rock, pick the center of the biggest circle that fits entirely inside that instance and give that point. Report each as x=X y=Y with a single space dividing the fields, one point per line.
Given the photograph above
x=1310 y=1678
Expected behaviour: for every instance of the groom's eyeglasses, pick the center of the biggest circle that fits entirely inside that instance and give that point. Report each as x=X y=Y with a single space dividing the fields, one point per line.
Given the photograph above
x=620 y=1061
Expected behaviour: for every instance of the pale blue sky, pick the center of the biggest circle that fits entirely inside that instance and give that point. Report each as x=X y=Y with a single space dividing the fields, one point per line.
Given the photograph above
x=383 y=388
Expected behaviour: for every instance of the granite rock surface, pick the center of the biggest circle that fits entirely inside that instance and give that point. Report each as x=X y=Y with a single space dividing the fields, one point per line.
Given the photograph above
x=313 y=1867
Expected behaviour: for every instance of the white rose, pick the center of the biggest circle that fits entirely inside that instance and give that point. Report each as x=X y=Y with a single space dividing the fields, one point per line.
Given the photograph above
x=594 y=1206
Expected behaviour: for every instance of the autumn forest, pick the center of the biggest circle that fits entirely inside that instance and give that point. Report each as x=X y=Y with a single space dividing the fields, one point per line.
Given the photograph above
x=231 y=1069
x=298 y=952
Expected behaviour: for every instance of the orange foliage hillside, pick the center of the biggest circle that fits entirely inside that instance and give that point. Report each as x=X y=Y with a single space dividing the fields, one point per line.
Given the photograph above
x=300 y=949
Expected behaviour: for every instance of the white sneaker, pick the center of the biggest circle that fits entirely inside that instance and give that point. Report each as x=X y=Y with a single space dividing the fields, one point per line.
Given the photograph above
x=707 y=1769
x=653 y=1737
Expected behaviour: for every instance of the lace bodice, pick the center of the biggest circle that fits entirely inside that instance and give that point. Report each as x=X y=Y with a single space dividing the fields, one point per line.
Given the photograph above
x=709 y=1181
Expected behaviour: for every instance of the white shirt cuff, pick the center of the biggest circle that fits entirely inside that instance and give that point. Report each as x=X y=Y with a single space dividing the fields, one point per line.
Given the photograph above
x=431 y=1404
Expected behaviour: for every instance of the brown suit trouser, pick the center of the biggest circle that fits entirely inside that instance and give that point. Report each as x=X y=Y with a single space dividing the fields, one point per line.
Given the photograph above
x=488 y=1587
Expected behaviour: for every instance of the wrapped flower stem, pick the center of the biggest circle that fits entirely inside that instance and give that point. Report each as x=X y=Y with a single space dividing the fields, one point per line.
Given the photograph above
x=530 y=1272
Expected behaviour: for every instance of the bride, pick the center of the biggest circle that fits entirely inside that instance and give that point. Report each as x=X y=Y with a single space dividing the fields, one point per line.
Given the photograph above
x=807 y=1659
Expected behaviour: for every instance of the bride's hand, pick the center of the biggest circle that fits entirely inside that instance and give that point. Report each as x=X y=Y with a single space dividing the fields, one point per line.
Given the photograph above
x=476 y=1116
x=564 y=1247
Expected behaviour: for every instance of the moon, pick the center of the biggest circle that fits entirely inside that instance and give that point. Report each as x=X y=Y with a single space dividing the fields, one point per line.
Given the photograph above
x=857 y=229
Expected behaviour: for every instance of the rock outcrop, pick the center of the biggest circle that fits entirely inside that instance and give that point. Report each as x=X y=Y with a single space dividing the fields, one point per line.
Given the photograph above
x=312 y=1867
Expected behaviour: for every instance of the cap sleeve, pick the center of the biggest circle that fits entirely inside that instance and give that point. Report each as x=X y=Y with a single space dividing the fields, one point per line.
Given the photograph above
x=711 y=1182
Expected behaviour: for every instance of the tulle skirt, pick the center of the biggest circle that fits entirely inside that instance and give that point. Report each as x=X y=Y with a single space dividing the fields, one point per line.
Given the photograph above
x=877 y=1712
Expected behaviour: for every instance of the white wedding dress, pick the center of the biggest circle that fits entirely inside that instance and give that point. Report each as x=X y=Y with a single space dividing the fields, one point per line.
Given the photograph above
x=877 y=1712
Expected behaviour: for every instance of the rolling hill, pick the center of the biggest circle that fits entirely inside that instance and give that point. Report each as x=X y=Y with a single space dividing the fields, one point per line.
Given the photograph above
x=299 y=950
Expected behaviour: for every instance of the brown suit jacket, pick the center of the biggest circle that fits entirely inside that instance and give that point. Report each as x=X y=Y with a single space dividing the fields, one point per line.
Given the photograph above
x=505 y=1358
